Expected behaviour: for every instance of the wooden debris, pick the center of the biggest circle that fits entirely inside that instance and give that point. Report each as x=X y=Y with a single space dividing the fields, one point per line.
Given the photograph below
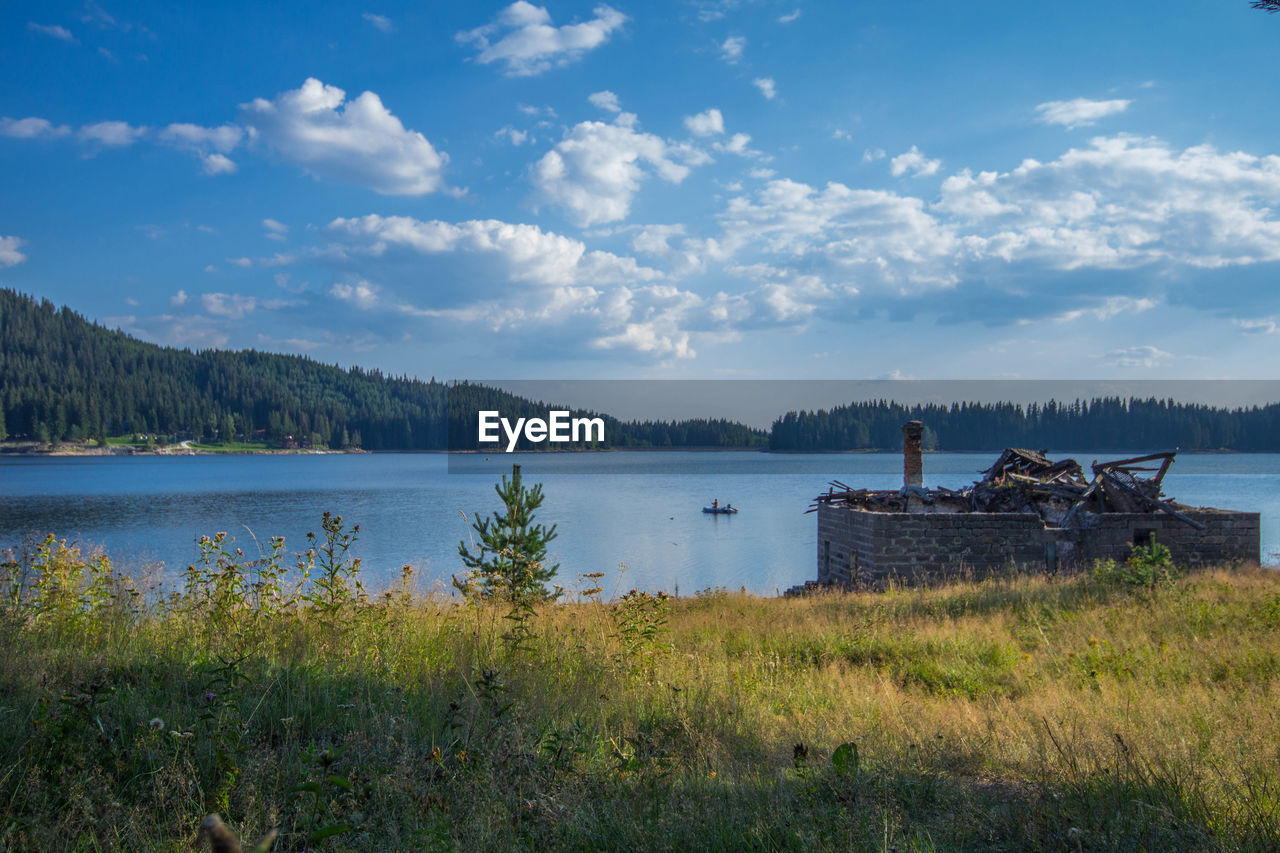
x=1027 y=481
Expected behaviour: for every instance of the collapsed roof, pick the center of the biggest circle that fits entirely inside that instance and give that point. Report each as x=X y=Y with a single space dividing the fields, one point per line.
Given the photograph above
x=1027 y=481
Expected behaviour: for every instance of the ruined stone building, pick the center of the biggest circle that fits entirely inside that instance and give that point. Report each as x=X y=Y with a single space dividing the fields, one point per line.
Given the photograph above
x=1026 y=512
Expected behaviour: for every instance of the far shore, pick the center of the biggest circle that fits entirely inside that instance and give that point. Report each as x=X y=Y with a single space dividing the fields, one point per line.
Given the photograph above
x=33 y=449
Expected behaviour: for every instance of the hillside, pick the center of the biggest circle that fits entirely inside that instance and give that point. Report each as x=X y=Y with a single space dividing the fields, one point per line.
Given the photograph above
x=66 y=378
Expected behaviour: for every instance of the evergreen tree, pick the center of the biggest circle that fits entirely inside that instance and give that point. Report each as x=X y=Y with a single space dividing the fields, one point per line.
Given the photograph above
x=511 y=558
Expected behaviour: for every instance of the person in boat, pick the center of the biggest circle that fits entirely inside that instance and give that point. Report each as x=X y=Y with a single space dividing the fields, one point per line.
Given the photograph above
x=715 y=504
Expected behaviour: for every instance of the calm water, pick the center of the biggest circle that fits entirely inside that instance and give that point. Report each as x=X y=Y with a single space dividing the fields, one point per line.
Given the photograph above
x=640 y=510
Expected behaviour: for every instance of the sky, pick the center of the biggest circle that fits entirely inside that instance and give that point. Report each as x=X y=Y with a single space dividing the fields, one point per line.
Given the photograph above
x=687 y=189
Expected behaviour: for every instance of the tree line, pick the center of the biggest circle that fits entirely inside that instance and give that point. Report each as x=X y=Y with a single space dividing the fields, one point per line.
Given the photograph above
x=66 y=378
x=1105 y=423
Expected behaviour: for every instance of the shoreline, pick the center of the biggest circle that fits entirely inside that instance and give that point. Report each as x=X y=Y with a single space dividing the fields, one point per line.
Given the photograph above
x=64 y=451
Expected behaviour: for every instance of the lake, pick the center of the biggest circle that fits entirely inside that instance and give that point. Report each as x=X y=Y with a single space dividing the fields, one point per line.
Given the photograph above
x=634 y=515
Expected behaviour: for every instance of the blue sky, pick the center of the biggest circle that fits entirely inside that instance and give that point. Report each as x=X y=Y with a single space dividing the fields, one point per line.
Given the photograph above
x=682 y=189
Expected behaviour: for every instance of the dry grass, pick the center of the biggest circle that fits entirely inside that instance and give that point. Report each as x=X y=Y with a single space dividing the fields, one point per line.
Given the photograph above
x=1022 y=713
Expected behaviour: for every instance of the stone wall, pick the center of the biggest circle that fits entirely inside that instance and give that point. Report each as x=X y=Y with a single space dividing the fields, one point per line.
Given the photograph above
x=860 y=545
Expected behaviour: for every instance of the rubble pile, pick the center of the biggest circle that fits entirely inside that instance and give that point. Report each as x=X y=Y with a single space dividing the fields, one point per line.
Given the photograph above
x=1026 y=481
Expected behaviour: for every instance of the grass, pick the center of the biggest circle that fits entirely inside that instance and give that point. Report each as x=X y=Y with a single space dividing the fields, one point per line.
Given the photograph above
x=1023 y=713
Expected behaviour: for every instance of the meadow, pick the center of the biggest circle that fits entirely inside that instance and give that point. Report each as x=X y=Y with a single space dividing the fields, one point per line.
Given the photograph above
x=1113 y=709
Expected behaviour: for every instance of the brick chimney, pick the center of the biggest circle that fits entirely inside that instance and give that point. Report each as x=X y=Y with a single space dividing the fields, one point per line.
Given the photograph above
x=912 y=464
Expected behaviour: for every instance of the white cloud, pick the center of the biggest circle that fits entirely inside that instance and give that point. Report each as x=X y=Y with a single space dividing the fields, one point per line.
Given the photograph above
x=766 y=86
x=217 y=164
x=1078 y=112
x=233 y=306
x=873 y=154
x=179 y=298
x=209 y=144
x=873 y=235
x=379 y=22
x=1109 y=307
x=357 y=141
x=915 y=162
x=605 y=100
x=276 y=230
x=9 y=254
x=523 y=38
x=527 y=253
x=709 y=123
x=361 y=294
x=596 y=170
x=31 y=128
x=731 y=48
x=737 y=144
x=789 y=17
x=1258 y=326
x=53 y=30
x=1124 y=202
x=516 y=137
x=112 y=134
x=1140 y=356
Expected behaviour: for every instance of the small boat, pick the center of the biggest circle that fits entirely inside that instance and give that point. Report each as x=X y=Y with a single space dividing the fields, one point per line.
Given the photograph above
x=721 y=510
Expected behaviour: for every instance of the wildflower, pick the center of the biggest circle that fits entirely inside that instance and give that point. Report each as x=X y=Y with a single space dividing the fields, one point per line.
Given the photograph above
x=156 y=724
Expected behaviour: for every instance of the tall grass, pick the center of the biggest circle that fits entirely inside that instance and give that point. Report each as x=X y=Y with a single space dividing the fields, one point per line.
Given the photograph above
x=1017 y=713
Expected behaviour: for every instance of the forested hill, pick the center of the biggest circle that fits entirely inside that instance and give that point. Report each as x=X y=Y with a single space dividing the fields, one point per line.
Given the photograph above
x=64 y=378
x=1109 y=423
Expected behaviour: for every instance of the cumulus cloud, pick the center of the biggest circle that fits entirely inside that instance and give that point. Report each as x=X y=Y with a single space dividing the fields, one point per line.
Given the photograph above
x=596 y=170
x=9 y=254
x=1078 y=112
x=515 y=137
x=53 y=31
x=361 y=294
x=357 y=141
x=789 y=17
x=31 y=128
x=731 y=48
x=527 y=253
x=1005 y=246
x=766 y=86
x=233 y=306
x=1124 y=202
x=605 y=100
x=179 y=298
x=709 y=123
x=875 y=234
x=915 y=162
x=210 y=145
x=112 y=134
x=526 y=42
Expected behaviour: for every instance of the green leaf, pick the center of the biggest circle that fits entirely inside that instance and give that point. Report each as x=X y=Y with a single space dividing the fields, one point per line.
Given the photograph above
x=307 y=787
x=845 y=759
x=342 y=783
x=329 y=831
